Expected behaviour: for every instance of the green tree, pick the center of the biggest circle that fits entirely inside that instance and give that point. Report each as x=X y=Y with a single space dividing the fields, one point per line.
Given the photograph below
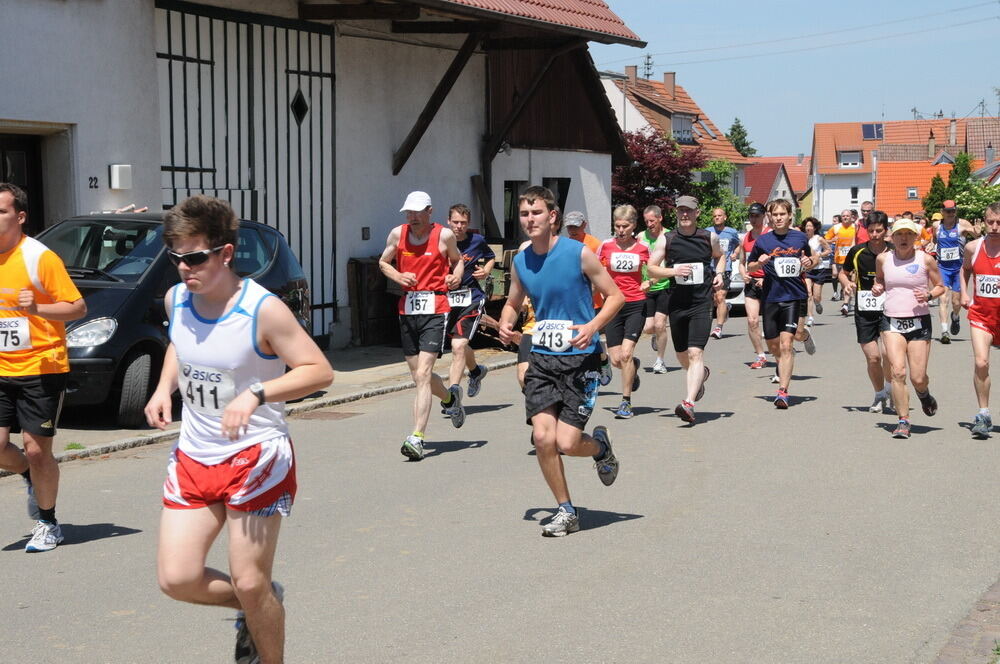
x=973 y=200
x=714 y=189
x=659 y=171
x=937 y=194
x=961 y=174
x=737 y=135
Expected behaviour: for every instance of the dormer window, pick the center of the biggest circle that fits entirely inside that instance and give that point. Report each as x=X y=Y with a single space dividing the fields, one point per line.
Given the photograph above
x=849 y=158
x=682 y=126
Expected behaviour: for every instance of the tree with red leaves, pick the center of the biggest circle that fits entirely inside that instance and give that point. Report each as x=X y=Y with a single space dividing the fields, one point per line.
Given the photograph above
x=659 y=171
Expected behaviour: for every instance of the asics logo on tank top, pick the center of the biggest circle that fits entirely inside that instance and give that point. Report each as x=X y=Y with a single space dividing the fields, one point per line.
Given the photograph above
x=912 y=268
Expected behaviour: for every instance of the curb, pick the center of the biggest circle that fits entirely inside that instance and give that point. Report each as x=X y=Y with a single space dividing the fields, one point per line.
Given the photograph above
x=290 y=410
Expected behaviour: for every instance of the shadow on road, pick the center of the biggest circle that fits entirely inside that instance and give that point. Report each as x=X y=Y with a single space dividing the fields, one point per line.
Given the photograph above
x=702 y=416
x=444 y=446
x=638 y=410
x=914 y=428
x=792 y=399
x=470 y=410
x=81 y=534
x=589 y=519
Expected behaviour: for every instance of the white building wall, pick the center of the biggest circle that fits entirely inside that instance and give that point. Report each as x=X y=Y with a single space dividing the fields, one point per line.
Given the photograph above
x=84 y=77
x=589 y=174
x=629 y=118
x=833 y=193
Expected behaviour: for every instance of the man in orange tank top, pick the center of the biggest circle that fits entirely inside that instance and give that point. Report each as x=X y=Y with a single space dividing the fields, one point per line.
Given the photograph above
x=428 y=265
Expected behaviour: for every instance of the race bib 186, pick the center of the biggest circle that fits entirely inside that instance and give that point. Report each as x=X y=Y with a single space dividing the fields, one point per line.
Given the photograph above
x=869 y=302
x=622 y=261
x=552 y=334
x=206 y=389
x=15 y=334
x=904 y=325
x=787 y=266
x=696 y=277
x=987 y=285
x=950 y=253
x=418 y=302
x=460 y=298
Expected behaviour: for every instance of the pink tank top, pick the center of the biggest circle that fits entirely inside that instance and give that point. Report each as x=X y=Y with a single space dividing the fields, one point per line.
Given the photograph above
x=902 y=278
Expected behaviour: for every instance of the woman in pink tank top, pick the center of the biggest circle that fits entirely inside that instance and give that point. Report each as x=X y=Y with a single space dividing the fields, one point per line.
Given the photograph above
x=903 y=276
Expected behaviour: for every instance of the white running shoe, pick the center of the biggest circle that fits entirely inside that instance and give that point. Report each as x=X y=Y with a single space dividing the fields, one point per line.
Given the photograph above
x=879 y=404
x=659 y=367
x=44 y=537
x=809 y=321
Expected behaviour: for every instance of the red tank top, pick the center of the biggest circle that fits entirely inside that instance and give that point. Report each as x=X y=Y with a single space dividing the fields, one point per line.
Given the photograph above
x=625 y=267
x=748 y=243
x=430 y=266
x=985 y=286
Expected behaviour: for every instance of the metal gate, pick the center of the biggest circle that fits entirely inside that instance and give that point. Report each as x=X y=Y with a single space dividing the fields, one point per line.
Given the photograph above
x=246 y=114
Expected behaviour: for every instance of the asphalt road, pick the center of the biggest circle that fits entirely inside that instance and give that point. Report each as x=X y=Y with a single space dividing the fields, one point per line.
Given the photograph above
x=808 y=535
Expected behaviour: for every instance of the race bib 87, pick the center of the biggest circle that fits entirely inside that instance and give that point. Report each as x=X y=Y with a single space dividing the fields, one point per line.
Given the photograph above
x=553 y=335
x=950 y=253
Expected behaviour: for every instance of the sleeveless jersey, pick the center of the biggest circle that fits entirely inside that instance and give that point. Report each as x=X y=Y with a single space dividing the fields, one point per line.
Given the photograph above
x=950 y=243
x=985 y=287
x=694 y=250
x=843 y=238
x=901 y=278
x=729 y=239
x=625 y=267
x=662 y=284
x=560 y=293
x=817 y=249
x=748 y=243
x=425 y=260
x=217 y=360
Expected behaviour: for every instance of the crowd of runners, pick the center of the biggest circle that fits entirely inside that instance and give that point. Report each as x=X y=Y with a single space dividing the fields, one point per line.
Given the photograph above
x=576 y=310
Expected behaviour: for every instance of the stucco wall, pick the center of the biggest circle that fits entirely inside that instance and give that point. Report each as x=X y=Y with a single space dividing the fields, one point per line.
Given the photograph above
x=629 y=119
x=86 y=79
x=833 y=194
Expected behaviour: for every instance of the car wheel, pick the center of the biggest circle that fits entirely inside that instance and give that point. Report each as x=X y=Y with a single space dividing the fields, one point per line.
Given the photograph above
x=135 y=391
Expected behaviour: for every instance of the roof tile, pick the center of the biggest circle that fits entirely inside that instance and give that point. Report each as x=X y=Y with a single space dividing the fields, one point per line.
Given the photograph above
x=760 y=178
x=798 y=173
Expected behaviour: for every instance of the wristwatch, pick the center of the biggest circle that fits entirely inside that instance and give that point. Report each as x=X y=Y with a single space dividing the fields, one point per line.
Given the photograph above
x=258 y=391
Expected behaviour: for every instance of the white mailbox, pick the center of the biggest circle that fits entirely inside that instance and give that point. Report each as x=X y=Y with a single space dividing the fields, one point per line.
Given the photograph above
x=121 y=176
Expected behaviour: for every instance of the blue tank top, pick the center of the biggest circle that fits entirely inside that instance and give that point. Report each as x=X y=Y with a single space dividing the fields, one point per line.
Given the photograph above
x=559 y=290
x=729 y=240
x=950 y=243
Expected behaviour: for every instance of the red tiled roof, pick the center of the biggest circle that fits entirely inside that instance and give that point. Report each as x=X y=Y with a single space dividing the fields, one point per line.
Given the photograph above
x=918 y=131
x=655 y=104
x=798 y=173
x=592 y=17
x=982 y=132
x=894 y=178
x=760 y=178
x=830 y=137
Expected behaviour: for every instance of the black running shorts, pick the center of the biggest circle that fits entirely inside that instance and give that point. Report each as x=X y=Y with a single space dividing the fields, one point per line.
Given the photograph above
x=422 y=333
x=32 y=403
x=868 y=325
x=559 y=381
x=782 y=317
x=627 y=324
x=921 y=334
x=657 y=302
x=690 y=327
x=464 y=321
x=752 y=290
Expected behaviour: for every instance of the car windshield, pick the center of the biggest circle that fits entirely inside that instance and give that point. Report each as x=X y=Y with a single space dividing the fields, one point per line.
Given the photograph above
x=106 y=249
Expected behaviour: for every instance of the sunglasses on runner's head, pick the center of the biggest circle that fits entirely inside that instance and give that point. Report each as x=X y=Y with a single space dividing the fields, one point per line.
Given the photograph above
x=192 y=258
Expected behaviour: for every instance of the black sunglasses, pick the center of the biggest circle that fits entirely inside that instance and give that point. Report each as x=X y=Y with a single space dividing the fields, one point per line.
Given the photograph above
x=192 y=258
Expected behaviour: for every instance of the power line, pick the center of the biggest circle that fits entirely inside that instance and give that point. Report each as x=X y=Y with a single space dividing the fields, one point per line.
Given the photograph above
x=815 y=34
x=838 y=44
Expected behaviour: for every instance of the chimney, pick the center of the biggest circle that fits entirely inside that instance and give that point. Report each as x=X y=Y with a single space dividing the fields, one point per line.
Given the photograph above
x=952 y=126
x=670 y=83
x=931 y=144
x=631 y=73
x=990 y=153
x=800 y=159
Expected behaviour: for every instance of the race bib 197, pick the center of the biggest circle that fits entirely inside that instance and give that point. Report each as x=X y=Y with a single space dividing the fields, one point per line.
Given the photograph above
x=14 y=334
x=206 y=389
x=987 y=285
x=553 y=335
x=460 y=298
x=696 y=277
x=904 y=325
x=787 y=266
x=418 y=302
x=869 y=302
x=623 y=261
x=950 y=253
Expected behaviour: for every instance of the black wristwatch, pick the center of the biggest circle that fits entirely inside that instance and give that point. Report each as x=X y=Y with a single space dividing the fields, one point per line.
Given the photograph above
x=258 y=391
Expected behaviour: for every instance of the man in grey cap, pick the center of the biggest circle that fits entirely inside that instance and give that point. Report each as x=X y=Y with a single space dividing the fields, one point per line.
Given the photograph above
x=428 y=265
x=576 y=229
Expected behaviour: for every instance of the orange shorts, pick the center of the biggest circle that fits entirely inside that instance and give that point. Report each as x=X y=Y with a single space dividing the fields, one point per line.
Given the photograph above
x=248 y=481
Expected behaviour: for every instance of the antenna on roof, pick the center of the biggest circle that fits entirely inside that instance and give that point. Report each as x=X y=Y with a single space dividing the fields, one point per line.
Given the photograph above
x=916 y=113
x=647 y=67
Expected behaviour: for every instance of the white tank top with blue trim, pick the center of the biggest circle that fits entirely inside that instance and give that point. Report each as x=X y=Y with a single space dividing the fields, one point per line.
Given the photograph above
x=217 y=360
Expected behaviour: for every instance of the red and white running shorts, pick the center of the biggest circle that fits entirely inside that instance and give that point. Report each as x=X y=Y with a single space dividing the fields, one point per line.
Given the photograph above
x=987 y=322
x=248 y=481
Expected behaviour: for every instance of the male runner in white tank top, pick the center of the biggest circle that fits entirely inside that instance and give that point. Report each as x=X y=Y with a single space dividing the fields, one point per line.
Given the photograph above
x=233 y=464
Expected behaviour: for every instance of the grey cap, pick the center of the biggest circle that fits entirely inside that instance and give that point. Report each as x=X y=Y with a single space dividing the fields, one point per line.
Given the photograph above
x=574 y=219
x=686 y=201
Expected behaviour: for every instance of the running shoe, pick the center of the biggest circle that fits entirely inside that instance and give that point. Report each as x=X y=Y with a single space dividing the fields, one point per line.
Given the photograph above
x=781 y=400
x=685 y=411
x=607 y=466
x=562 y=524
x=955 y=323
x=928 y=404
x=819 y=307
x=413 y=448
x=476 y=382
x=945 y=337
x=33 y=512
x=635 y=379
x=624 y=411
x=902 y=429
x=879 y=404
x=982 y=426
x=810 y=344
x=759 y=363
x=775 y=379
x=659 y=367
x=809 y=321
x=44 y=537
x=652 y=342
x=701 y=390
x=606 y=372
x=836 y=297
x=844 y=309
x=716 y=332
x=456 y=411
x=246 y=650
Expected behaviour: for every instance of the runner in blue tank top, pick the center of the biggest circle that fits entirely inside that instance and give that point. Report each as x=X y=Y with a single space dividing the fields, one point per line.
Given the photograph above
x=951 y=234
x=729 y=243
x=560 y=387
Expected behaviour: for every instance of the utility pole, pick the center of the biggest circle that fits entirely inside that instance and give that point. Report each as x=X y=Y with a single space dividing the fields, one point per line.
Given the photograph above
x=647 y=67
x=996 y=91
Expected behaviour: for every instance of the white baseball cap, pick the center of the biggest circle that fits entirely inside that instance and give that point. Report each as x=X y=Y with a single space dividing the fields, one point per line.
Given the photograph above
x=416 y=201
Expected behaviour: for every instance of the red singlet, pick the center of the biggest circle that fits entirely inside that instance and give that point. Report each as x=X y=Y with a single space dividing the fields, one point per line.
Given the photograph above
x=430 y=266
x=625 y=267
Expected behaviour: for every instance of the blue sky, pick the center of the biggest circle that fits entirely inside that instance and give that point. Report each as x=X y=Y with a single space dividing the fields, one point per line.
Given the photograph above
x=932 y=55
